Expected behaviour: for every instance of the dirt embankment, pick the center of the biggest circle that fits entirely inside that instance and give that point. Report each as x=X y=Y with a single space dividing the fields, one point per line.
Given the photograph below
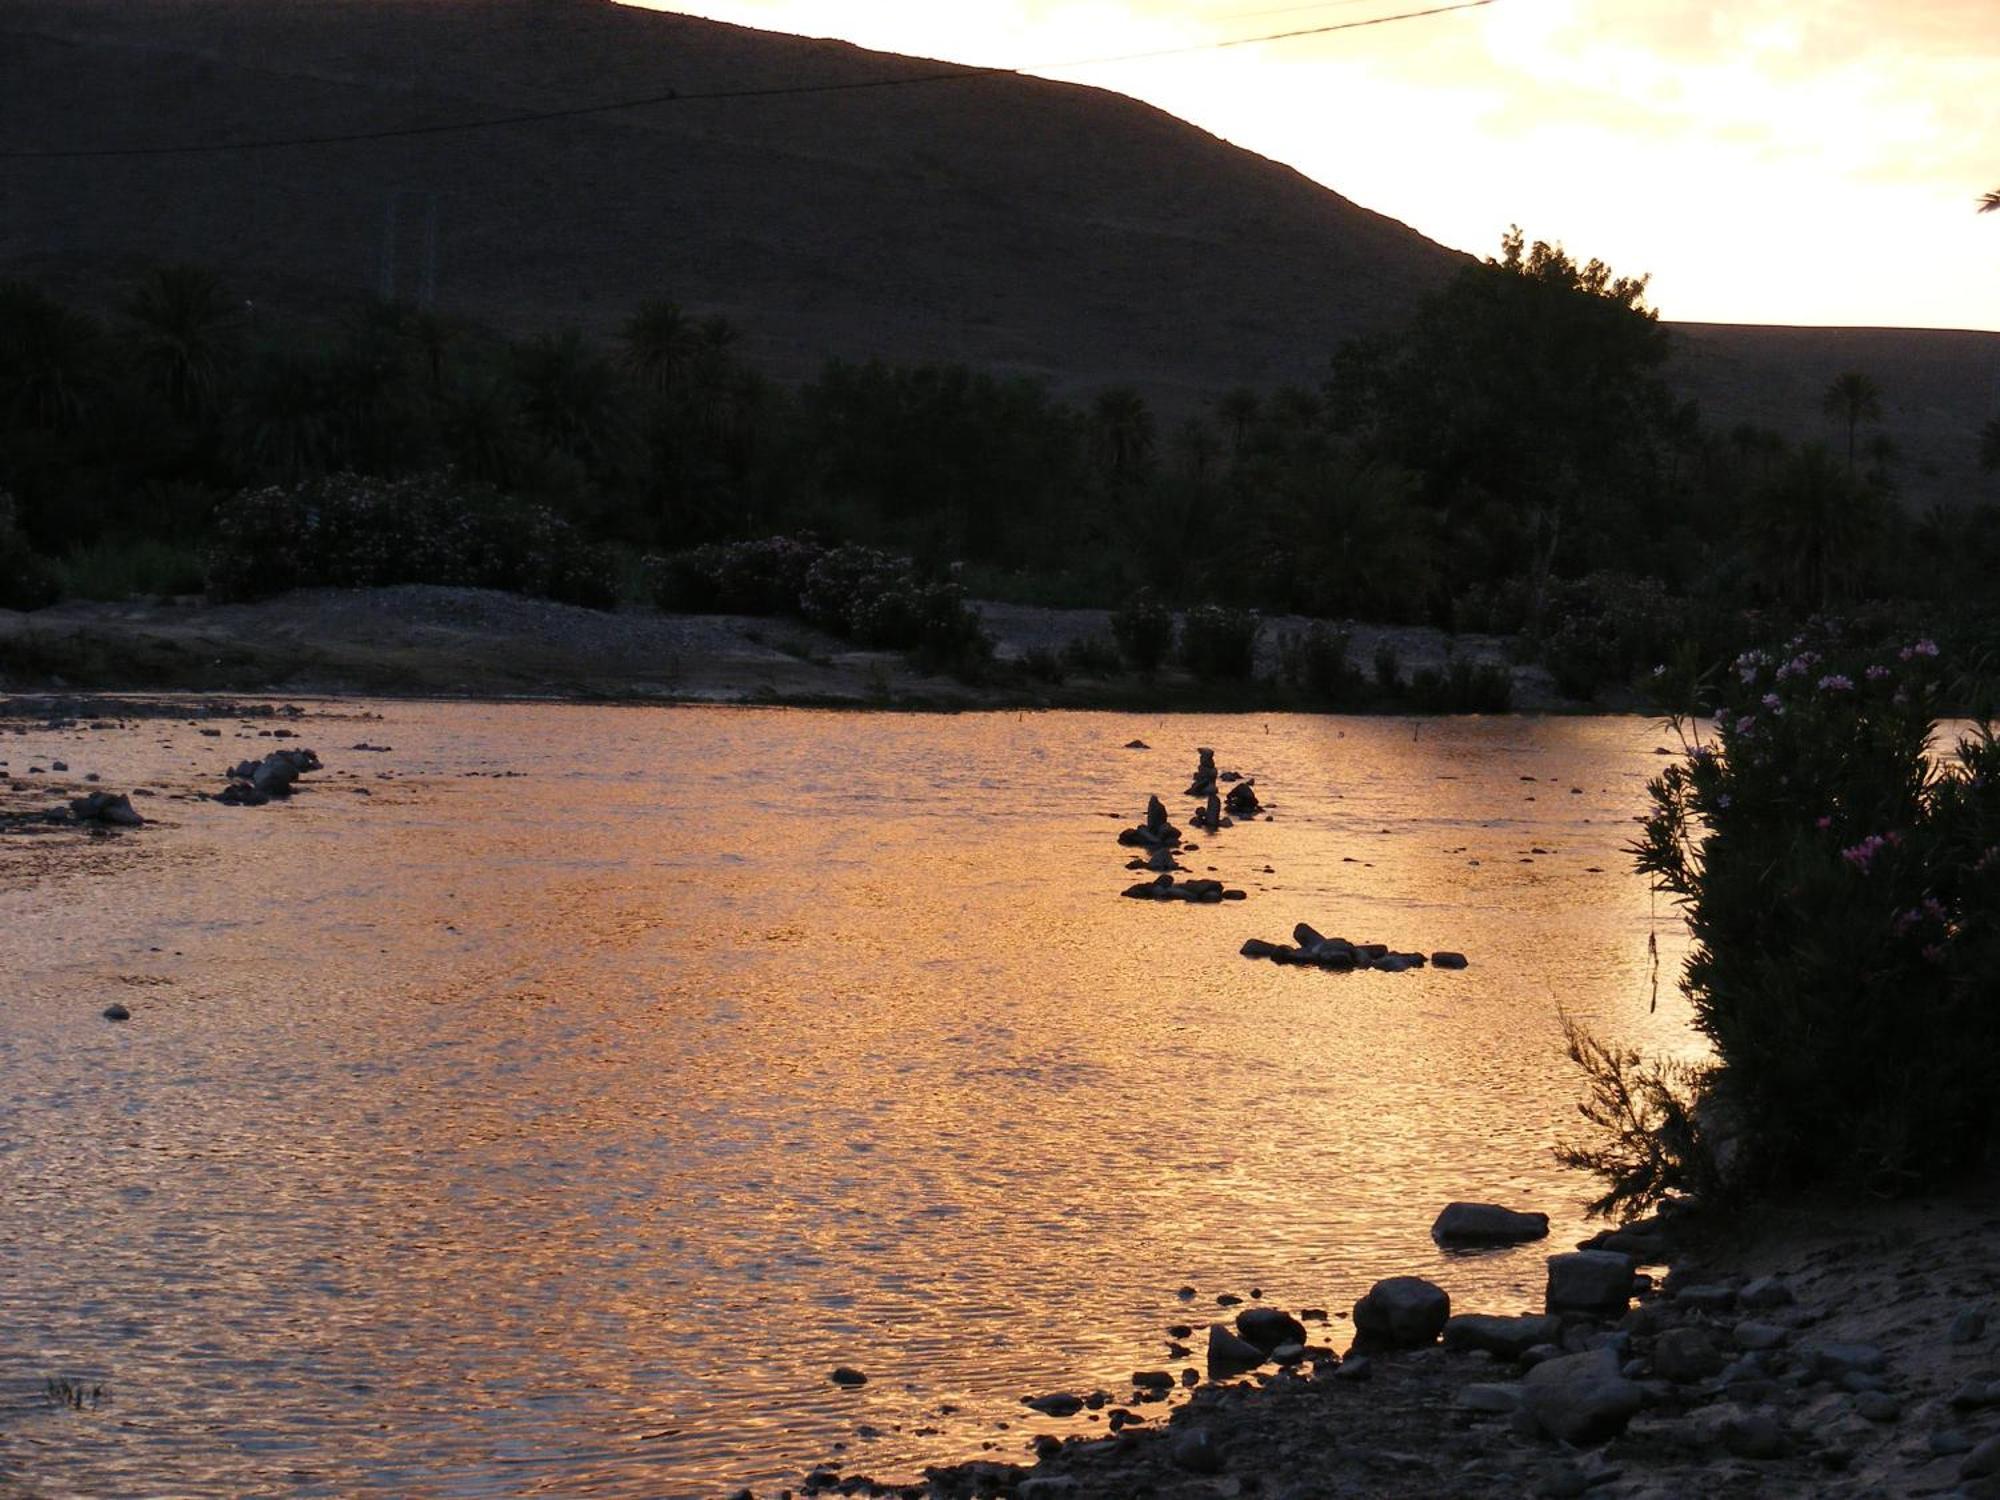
x=424 y=641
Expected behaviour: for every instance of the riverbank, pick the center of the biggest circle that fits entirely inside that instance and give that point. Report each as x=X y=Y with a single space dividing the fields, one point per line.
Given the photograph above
x=421 y=641
x=1820 y=1348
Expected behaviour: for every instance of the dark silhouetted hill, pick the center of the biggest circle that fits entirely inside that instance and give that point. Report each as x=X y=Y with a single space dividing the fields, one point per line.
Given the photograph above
x=1008 y=222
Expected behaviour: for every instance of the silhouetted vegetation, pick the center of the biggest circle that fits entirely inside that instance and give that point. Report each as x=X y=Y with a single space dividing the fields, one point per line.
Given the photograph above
x=1511 y=461
x=1840 y=878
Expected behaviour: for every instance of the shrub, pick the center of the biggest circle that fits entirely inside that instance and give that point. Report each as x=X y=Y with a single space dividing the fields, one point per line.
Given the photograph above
x=27 y=579
x=1463 y=687
x=1314 y=662
x=1144 y=630
x=763 y=577
x=356 y=531
x=1648 y=1141
x=131 y=570
x=1219 y=644
x=1045 y=664
x=1841 y=882
x=1091 y=656
x=1607 y=628
x=1388 y=669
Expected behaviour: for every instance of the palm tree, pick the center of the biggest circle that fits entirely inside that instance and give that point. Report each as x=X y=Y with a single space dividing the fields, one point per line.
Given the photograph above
x=1990 y=202
x=1239 y=408
x=1197 y=445
x=1124 y=431
x=49 y=366
x=187 y=337
x=659 y=342
x=1813 y=523
x=1989 y=445
x=1852 y=398
x=569 y=397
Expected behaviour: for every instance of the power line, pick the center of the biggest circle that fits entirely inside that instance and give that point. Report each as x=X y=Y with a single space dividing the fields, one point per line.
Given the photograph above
x=782 y=91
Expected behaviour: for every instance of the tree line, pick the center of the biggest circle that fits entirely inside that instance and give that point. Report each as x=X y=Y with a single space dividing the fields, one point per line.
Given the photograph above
x=1508 y=458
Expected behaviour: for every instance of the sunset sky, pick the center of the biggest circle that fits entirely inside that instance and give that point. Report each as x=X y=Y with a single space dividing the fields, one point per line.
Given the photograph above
x=1768 y=161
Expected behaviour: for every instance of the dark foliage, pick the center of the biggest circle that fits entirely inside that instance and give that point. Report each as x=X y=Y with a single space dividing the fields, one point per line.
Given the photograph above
x=1143 y=627
x=1219 y=644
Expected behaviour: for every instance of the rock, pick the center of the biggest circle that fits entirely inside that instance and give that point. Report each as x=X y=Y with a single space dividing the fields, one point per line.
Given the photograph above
x=848 y=1376
x=1502 y=1399
x=1445 y=959
x=1879 y=1406
x=1504 y=1338
x=1967 y=1328
x=1230 y=1355
x=1059 y=1404
x=1685 y=1355
x=1258 y=948
x=1137 y=745
x=1356 y=1368
x=1949 y=1442
x=1195 y=1452
x=1758 y=1336
x=1487 y=1224
x=1981 y=1461
x=1598 y=1282
x=1581 y=1398
x=105 y=807
x=1754 y=1435
x=1268 y=1328
x=1831 y=1361
x=1764 y=1294
x=1402 y=1312
x=1242 y=801
x=116 y=1012
x=1645 y=1240
x=1975 y=1394
x=1157 y=1380
x=1203 y=784
x=1706 y=1297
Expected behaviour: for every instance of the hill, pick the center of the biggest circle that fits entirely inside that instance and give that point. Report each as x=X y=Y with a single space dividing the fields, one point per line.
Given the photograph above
x=1008 y=222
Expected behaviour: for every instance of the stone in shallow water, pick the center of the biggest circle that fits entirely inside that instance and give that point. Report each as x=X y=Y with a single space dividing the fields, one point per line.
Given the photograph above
x=1487 y=1224
x=847 y=1375
x=1268 y=1328
x=1401 y=1312
x=1230 y=1355
x=1598 y=1282
x=1504 y=1338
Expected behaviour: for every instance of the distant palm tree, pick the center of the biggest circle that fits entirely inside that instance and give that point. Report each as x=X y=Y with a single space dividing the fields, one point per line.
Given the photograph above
x=49 y=360
x=1196 y=442
x=1989 y=445
x=659 y=343
x=188 y=329
x=1990 y=202
x=1852 y=398
x=1124 y=431
x=1239 y=408
x=1812 y=524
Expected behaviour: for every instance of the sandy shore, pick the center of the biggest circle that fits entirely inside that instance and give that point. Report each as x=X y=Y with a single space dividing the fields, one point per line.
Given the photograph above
x=424 y=641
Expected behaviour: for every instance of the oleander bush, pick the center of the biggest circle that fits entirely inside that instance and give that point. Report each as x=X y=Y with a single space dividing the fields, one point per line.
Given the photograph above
x=1219 y=644
x=1837 y=859
x=1313 y=662
x=362 y=531
x=27 y=579
x=1143 y=627
x=762 y=577
x=1462 y=686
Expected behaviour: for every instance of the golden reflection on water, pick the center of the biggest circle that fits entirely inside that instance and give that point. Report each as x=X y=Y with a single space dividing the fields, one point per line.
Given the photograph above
x=557 y=1133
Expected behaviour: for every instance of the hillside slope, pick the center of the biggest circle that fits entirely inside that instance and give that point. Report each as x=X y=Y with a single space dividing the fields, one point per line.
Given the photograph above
x=1008 y=222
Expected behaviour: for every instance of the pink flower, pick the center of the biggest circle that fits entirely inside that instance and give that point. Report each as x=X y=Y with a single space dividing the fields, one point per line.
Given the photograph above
x=1877 y=673
x=1825 y=821
x=1773 y=702
x=1835 y=682
x=1862 y=855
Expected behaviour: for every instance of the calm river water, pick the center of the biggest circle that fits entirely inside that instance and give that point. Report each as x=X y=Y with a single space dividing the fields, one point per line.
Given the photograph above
x=553 y=1119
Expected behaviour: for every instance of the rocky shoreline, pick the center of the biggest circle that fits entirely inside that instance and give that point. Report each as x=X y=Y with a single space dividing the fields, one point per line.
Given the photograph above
x=1825 y=1348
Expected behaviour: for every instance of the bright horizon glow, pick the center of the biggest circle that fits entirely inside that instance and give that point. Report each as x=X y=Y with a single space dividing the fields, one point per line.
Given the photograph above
x=1764 y=162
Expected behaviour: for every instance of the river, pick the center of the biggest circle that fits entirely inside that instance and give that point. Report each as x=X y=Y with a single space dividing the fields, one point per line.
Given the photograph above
x=552 y=1119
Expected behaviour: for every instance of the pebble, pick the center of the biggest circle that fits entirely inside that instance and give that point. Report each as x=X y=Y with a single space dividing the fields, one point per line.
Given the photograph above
x=116 y=1012
x=847 y=1375
x=1878 y=1406
x=1968 y=1328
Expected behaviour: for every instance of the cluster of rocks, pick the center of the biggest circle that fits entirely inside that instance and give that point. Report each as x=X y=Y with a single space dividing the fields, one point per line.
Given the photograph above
x=1310 y=949
x=252 y=783
x=1155 y=833
x=106 y=810
x=1166 y=888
